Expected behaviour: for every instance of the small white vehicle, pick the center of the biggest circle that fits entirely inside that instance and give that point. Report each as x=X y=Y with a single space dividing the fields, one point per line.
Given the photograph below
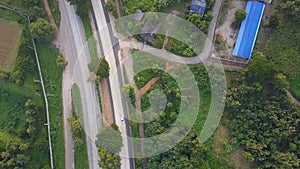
x=122 y=120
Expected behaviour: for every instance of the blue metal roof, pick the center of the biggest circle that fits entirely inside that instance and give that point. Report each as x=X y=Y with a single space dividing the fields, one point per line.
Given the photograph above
x=249 y=29
x=198 y=7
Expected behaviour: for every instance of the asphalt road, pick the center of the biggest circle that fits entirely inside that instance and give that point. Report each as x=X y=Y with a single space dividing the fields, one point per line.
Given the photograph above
x=72 y=43
x=115 y=79
x=72 y=40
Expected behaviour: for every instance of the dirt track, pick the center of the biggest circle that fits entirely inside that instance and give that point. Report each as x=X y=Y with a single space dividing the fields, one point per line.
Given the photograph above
x=49 y=13
x=144 y=89
x=107 y=112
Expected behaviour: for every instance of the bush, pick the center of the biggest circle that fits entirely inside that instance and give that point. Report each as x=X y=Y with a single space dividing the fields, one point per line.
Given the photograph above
x=103 y=69
x=42 y=30
x=61 y=62
x=110 y=6
x=240 y=15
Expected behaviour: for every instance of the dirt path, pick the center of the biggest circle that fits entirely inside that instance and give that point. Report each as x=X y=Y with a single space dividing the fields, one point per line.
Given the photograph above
x=107 y=111
x=166 y=40
x=118 y=8
x=149 y=84
x=294 y=100
x=49 y=13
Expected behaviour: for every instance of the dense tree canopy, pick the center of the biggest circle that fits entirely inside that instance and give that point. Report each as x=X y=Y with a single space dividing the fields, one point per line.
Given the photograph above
x=14 y=156
x=260 y=69
x=108 y=160
x=103 y=69
x=109 y=143
x=110 y=139
x=240 y=15
x=188 y=154
x=42 y=30
x=291 y=8
x=266 y=123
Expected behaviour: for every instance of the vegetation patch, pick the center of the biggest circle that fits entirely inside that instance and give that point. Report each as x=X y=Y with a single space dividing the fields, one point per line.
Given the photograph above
x=54 y=6
x=10 y=33
x=53 y=83
x=262 y=119
x=295 y=86
x=189 y=150
x=283 y=46
x=21 y=87
x=77 y=128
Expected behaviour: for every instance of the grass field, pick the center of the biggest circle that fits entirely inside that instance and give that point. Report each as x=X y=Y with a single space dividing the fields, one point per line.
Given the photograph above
x=10 y=33
x=53 y=83
x=80 y=152
x=77 y=105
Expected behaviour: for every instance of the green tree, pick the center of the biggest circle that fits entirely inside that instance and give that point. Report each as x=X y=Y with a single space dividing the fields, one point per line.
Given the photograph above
x=240 y=15
x=13 y=156
x=103 y=69
x=194 y=18
x=291 y=8
x=128 y=91
x=188 y=154
x=42 y=30
x=108 y=160
x=110 y=6
x=260 y=69
x=61 y=62
x=209 y=16
x=110 y=139
x=75 y=126
x=264 y=122
x=82 y=9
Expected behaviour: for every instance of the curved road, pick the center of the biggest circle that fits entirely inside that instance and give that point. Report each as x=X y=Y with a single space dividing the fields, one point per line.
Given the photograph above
x=206 y=52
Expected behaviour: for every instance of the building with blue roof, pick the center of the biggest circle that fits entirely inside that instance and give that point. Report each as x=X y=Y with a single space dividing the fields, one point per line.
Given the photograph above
x=249 y=29
x=198 y=7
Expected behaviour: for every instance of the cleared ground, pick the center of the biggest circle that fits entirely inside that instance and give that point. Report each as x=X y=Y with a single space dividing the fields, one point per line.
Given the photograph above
x=225 y=30
x=10 y=33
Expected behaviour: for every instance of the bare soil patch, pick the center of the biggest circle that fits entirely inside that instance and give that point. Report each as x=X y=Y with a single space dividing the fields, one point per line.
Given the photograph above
x=227 y=33
x=107 y=112
x=148 y=85
x=10 y=33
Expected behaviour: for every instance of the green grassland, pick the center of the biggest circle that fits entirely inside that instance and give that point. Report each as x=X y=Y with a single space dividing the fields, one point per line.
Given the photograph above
x=77 y=105
x=53 y=83
x=80 y=152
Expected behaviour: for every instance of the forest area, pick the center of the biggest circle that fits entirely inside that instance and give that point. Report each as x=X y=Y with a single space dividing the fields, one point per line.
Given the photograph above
x=263 y=120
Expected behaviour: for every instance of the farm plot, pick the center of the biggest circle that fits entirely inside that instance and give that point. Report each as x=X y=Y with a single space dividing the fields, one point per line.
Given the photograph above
x=10 y=33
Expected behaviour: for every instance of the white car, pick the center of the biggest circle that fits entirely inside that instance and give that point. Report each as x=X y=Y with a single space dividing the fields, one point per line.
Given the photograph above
x=122 y=120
